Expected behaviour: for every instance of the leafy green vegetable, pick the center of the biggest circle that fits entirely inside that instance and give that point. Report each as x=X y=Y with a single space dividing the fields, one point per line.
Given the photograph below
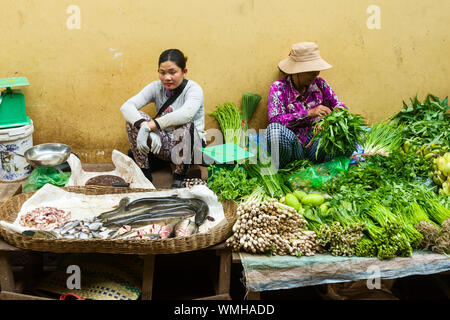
x=230 y=184
x=339 y=131
x=427 y=122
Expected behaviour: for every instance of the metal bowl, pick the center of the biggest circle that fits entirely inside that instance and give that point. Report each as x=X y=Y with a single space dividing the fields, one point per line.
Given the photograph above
x=47 y=154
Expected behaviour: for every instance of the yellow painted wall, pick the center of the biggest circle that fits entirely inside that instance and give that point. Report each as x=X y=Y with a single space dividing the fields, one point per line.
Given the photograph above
x=80 y=78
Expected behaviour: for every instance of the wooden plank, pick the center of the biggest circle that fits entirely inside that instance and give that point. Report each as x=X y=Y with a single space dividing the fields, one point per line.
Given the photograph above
x=6 y=274
x=224 y=271
x=147 y=281
x=224 y=296
x=9 y=190
x=7 y=295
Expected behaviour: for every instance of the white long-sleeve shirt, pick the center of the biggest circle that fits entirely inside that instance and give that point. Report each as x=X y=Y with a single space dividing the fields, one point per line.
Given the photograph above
x=189 y=106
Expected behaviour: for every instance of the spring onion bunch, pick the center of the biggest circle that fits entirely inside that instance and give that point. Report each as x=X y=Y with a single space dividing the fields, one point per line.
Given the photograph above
x=229 y=119
x=437 y=212
x=269 y=178
x=383 y=138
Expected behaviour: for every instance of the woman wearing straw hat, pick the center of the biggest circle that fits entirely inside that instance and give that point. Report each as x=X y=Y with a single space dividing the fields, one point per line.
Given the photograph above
x=295 y=102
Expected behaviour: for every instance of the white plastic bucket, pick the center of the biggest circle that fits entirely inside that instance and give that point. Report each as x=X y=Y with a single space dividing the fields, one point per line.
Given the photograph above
x=13 y=144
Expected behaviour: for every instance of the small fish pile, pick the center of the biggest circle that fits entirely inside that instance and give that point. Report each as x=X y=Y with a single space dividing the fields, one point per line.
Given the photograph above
x=189 y=183
x=44 y=218
x=81 y=229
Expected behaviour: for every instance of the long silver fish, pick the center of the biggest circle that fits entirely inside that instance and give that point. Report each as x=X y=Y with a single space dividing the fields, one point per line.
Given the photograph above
x=202 y=207
x=122 y=204
x=144 y=220
x=149 y=212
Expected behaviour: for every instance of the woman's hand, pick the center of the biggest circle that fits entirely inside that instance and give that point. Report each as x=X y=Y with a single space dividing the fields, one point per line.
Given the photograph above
x=319 y=111
x=151 y=124
x=141 y=140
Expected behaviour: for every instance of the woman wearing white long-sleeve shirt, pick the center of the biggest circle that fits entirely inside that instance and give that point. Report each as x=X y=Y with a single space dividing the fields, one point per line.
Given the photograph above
x=178 y=130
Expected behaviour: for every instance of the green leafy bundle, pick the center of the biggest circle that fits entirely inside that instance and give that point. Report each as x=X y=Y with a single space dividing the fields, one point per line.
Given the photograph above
x=339 y=131
x=366 y=248
x=229 y=119
x=385 y=230
x=427 y=122
x=230 y=184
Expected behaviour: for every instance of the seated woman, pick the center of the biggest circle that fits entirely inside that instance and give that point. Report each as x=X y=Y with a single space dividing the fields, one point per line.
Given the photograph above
x=295 y=102
x=179 y=126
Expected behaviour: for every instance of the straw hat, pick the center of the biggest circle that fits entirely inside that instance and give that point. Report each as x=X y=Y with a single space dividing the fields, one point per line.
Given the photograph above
x=304 y=57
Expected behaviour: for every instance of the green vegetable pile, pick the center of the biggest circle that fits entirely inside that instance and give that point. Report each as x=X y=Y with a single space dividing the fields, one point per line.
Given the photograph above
x=385 y=206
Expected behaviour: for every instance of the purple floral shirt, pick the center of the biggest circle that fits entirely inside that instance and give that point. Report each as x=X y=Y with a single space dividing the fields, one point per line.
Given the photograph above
x=286 y=103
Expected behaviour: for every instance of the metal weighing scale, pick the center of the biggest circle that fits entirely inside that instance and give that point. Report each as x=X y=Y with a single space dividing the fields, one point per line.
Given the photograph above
x=12 y=103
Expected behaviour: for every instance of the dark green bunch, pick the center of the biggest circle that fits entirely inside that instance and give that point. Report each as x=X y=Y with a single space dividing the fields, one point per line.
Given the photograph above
x=386 y=219
x=366 y=248
x=404 y=248
x=230 y=184
x=387 y=235
x=339 y=131
x=414 y=237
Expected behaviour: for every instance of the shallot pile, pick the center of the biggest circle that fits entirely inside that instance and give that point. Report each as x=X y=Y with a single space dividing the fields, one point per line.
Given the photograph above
x=272 y=228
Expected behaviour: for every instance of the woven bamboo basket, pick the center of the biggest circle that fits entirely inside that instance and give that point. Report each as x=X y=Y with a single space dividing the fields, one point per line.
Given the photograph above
x=10 y=209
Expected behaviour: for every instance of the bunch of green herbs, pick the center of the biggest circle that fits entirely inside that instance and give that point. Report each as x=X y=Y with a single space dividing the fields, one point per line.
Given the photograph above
x=230 y=184
x=339 y=132
x=427 y=122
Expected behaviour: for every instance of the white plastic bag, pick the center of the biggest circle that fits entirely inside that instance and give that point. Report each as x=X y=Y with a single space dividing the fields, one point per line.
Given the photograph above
x=125 y=168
